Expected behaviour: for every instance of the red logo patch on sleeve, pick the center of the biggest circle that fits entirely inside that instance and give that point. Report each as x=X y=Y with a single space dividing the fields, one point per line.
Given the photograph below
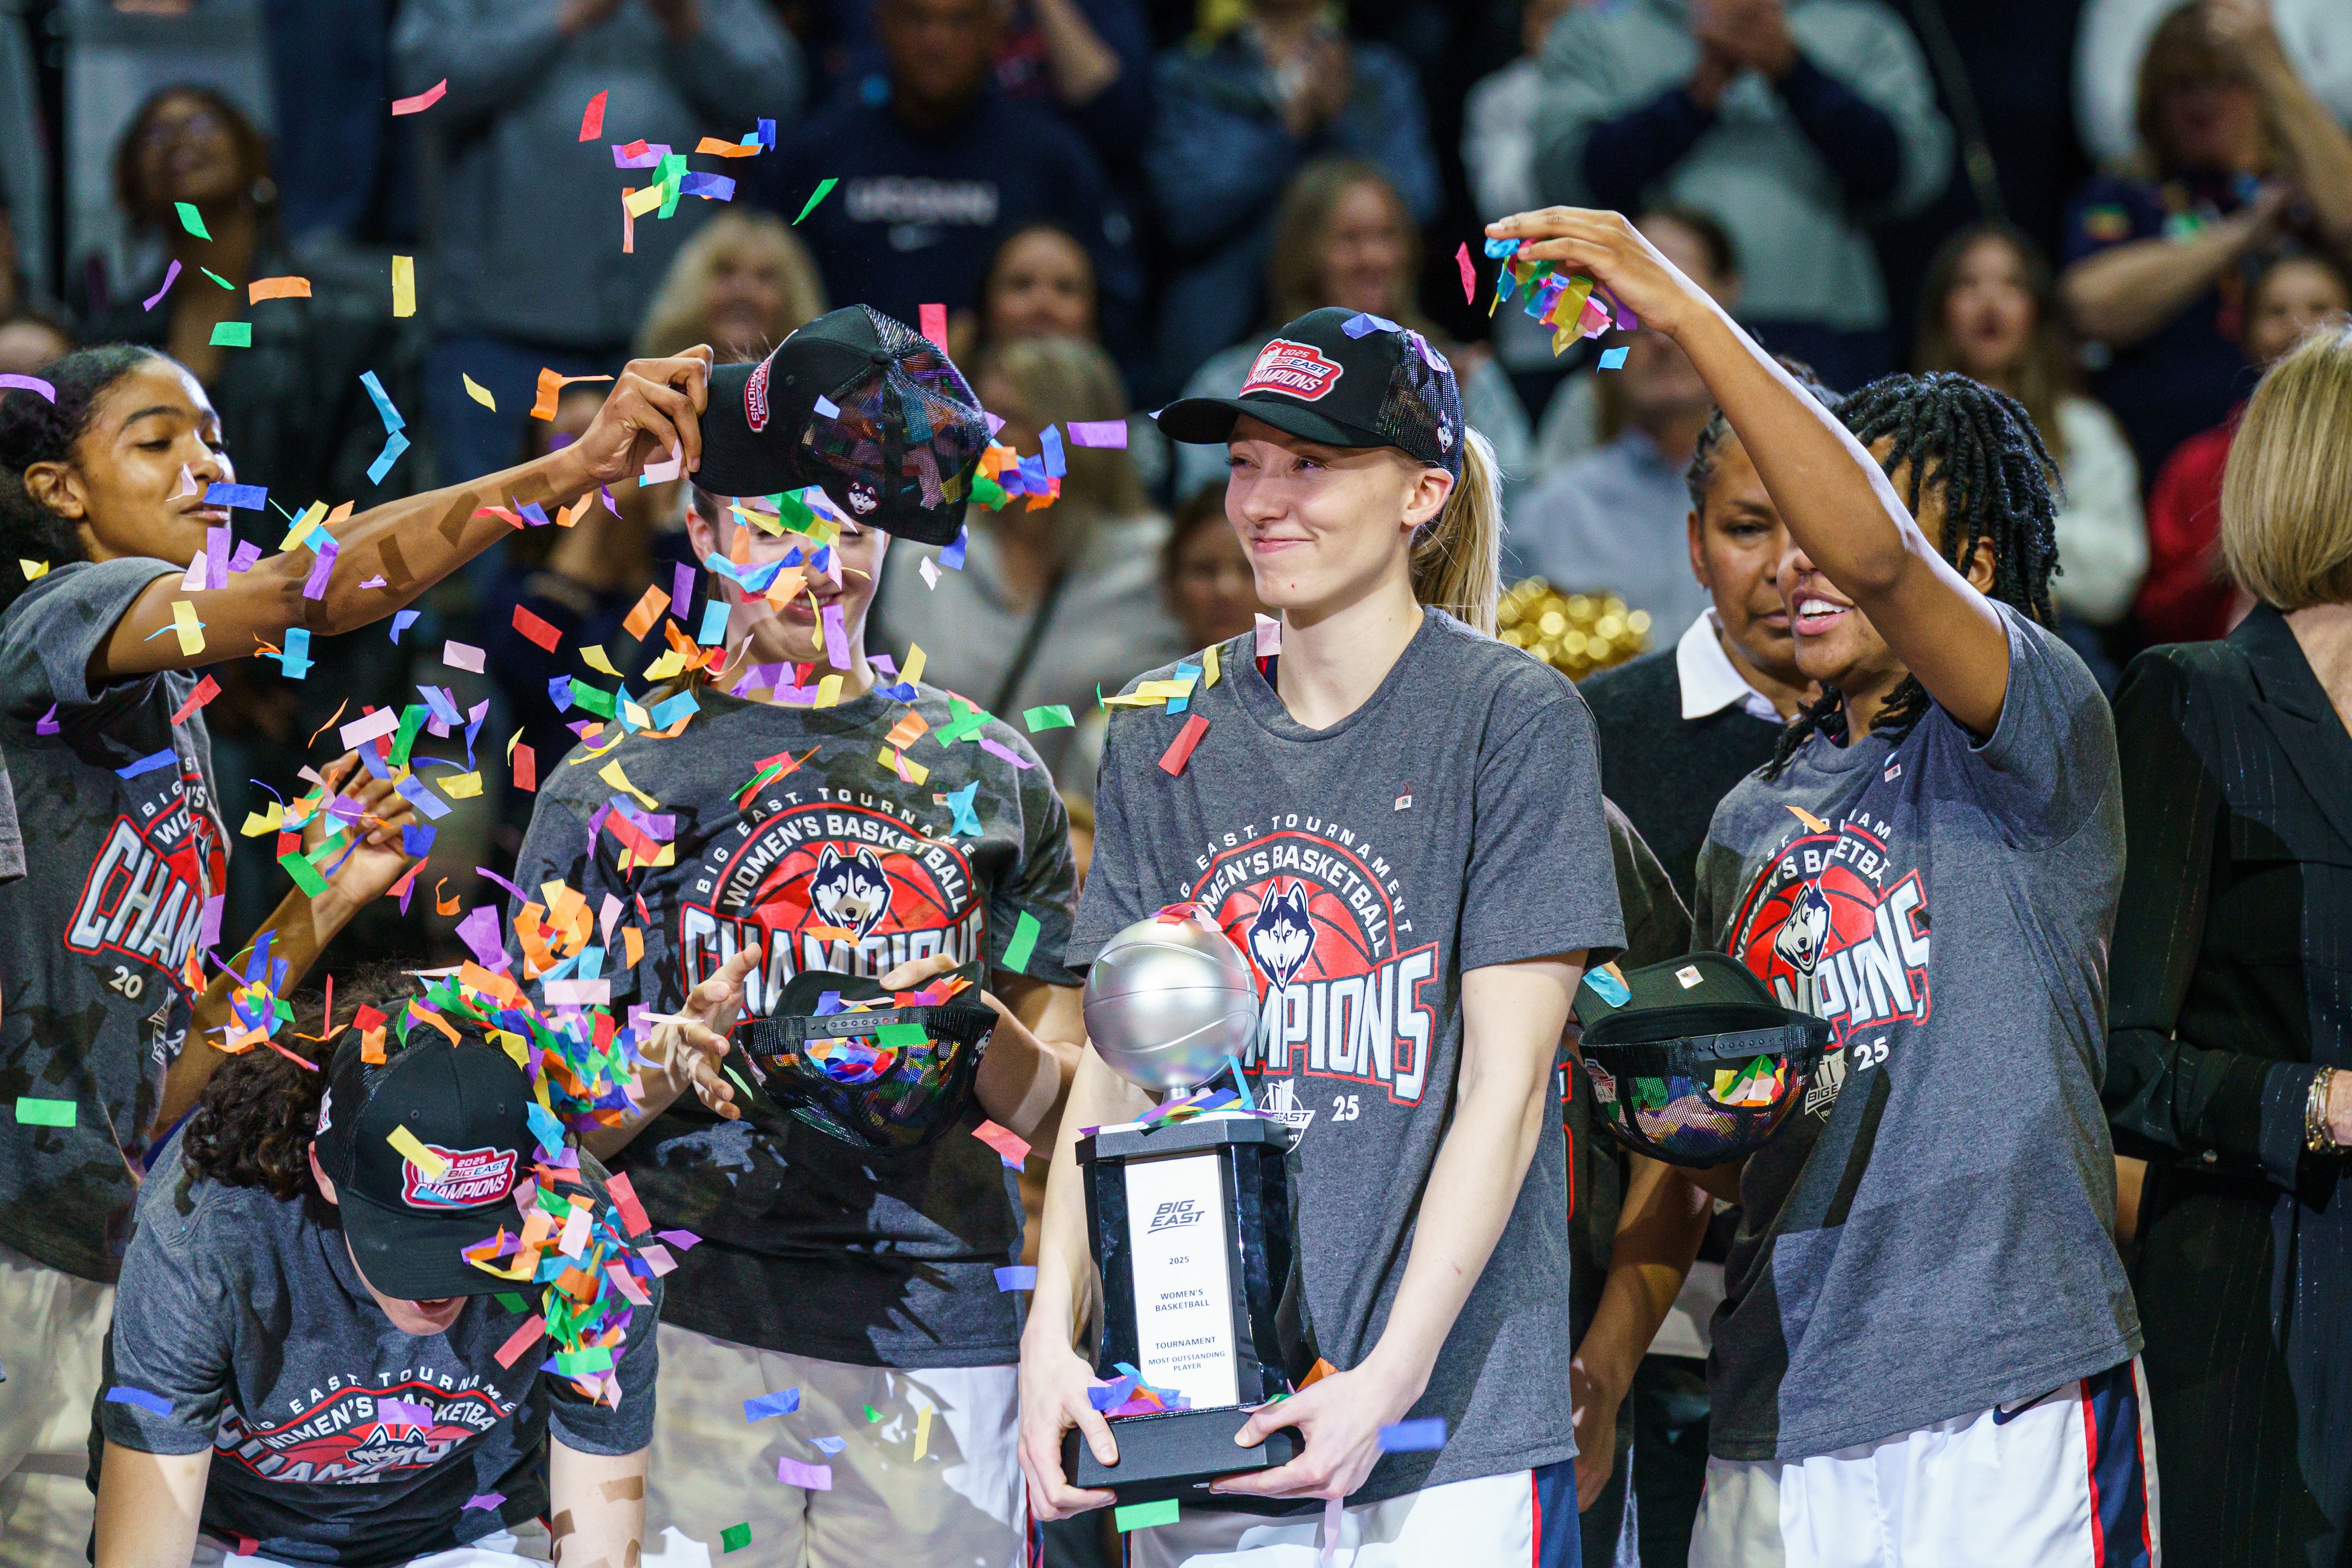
x=1295 y=370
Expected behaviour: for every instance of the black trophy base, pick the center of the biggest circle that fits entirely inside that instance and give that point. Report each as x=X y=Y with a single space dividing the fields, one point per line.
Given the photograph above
x=1178 y=1455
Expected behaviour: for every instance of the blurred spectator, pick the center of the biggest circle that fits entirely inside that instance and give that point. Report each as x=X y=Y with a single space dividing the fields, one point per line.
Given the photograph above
x=1088 y=59
x=1498 y=154
x=2187 y=596
x=1236 y=120
x=1990 y=311
x=1040 y=284
x=741 y=285
x=31 y=338
x=1344 y=236
x=1611 y=519
x=583 y=581
x=934 y=173
x=1206 y=584
x=329 y=73
x=27 y=177
x=2233 y=149
x=1796 y=124
x=530 y=272
x=2111 y=36
x=1053 y=601
x=302 y=422
x=1573 y=421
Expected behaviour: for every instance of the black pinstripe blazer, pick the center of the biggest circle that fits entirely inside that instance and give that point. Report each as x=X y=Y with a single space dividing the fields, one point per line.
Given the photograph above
x=2231 y=984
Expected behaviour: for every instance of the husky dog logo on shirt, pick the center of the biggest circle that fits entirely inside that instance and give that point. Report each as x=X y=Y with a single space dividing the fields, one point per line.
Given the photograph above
x=1282 y=936
x=850 y=891
x=1800 y=943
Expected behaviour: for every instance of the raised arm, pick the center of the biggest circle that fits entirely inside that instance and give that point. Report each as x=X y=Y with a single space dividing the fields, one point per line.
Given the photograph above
x=1841 y=509
x=2317 y=146
x=413 y=543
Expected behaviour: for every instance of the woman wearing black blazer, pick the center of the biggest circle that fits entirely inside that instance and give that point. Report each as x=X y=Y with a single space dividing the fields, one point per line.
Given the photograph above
x=2230 y=1016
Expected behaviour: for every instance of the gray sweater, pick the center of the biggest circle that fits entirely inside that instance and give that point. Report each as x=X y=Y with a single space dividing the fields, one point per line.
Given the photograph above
x=527 y=240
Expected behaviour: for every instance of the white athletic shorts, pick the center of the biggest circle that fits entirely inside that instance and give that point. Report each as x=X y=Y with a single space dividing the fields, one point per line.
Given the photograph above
x=52 y=1325
x=525 y=1544
x=959 y=1502
x=1521 y=1519
x=2067 y=1480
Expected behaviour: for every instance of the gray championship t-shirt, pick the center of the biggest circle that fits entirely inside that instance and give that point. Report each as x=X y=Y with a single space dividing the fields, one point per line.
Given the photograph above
x=1929 y=1237
x=247 y=1317
x=811 y=1246
x=1451 y=821
x=93 y=939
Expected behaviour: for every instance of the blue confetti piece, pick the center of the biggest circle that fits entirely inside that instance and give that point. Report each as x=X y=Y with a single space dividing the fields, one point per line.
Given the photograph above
x=148 y=764
x=1112 y=1396
x=534 y=514
x=768 y=139
x=1177 y=704
x=1613 y=358
x=559 y=692
x=1424 y=1437
x=382 y=400
x=665 y=714
x=393 y=446
x=402 y=620
x=1608 y=987
x=1363 y=324
x=545 y=1126
x=830 y=1444
x=416 y=838
x=967 y=820
x=769 y=1404
x=1502 y=248
x=952 y=556
x=714 y=623
x=1057 y=464
x=295 y=662
x=718 y=187
x=1023 y=1278
x=253 y=497
x=156 y=1402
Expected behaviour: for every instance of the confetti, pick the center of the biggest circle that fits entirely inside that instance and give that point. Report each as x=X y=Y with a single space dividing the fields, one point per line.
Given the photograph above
x=1269 y=636
x=486 y=1499
x=252 y=498
x=170 y=276
x=830 y=1445
x=1009 y=1146
x=393 y=446
x=47 y=724
x=32 y=1111
x=799 y=1473
x=1098 y=433
x=1469 y=273
x=1144 y=1515
x=1024 y=942
x=823 y=187
x=232 y=334
x=404 y=285
x=262 y=288
x=413 y=1150
x=923 y=1431
x=1022 y=1277
x=32 y=384
x=421 y=101
x=1423 y=1436
x=536 y=628
x=591 y=119
x=122 y=1395
x=478 y=393
x=1613 y=358
x=735 y=1536
x=206 y=690
x=190 y=629
x=1179 y=749
x=934 y=324
x=462 y=656
x=768 y=1404
x=191 y=220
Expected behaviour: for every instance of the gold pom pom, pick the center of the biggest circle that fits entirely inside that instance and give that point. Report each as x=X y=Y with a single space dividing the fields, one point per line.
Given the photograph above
x=1577 y=634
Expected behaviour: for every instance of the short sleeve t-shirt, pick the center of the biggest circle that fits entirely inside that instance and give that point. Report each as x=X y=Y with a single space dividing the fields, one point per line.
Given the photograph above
x=248 y=1319
x=1451 y=821
x=1929 y=1236
x=813 y=1246
x=94 y=937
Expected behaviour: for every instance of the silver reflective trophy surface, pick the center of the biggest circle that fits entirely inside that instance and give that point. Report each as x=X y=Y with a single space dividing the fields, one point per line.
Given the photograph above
x=1190 y=1220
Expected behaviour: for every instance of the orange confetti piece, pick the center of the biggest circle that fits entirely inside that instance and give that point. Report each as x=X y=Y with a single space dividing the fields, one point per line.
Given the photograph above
x=711 y=146
x=1809 y=819
x=634 y=944
x=442 y=905
x=262 y=288
x=328 y=725
x=640 y=621
x=551 y=387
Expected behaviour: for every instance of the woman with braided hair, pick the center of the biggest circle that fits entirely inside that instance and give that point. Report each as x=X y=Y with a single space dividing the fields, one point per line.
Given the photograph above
x=1928 y=1349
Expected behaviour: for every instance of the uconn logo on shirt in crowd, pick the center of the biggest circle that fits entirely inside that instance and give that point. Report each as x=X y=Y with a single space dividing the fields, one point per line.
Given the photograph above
x=1295 y=370
x=474 y=1176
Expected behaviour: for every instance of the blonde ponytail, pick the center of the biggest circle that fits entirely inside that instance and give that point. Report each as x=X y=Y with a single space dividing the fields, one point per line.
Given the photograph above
x=1457 y=563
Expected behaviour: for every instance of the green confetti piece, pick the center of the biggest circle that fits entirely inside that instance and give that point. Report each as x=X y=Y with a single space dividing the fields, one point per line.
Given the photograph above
x=735 y=1536
x=1054 y=716
x=217 y=279
x=594 y=699
x=232 y=334
x=1023 y=943
x=872 y=1413
x=512 y=1303
x=412 y=719
x=191 y=220
x=1144 y=1515
x=988 y=492
x=34 y=1112
x=306 y=876
x=823 y=187
x=739 y=1083
x=897 y=1035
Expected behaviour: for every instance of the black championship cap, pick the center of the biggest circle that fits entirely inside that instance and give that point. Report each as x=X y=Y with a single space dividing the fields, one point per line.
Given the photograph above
x=1343 y=378
x=464 y=1106
x=857 y=403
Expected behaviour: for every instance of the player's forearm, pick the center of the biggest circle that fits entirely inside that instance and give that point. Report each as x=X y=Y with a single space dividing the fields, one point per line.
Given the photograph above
x=596 y=1507
x=148 y=1506
x=1026 y=1074
x=1066 y=1273
x=1658 y=1236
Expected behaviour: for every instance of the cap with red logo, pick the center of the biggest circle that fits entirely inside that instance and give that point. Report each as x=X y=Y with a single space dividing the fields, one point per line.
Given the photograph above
x=860 y=404
x=466 y=1105
x=1345 y=379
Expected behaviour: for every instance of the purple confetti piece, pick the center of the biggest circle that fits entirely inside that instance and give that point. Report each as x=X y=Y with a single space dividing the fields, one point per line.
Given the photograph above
x=216 y=556
x=376 y=582
x=320 y=570
x=650 y=158
x=809 y=1477
x=952 y=556
x=480 y=930
x=170 y=276
x=998 y=749
x=486 y=1499
x=831 y=410
x=401 y=1412
x=34 y=383
x=1098 y=433
x=47 y=724
x=1363 y=324
x=836 y=638
x=684 y=1240
x=208 y=932
x=489 y=875
x=248 y=553
x=681 y=595
x=1022 y=1277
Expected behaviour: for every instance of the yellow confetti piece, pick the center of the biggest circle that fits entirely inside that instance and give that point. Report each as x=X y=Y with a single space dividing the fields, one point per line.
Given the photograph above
x=403 y=286
x=593 y=657
x=611 y=774
x=912 y=670
x=1210 y=668
x=257 y=822
x=664 y=666
x=510 y=744
x=1163 y=689
x=923 y=1431
x=478 y=393
x=465 y=786
x=640 y=203
x=912 y=772
x=404 y=1143
x=635 y=715
x=184 y=621
x=828 y=691
x=32 y=569
x=299 y=530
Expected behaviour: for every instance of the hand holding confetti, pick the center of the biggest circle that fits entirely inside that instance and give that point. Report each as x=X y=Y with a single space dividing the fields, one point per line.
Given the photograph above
x=1608 y=247
x=687 y=1050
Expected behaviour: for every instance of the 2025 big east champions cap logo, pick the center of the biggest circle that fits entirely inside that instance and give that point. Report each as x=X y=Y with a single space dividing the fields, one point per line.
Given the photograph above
x=859 y=405
x=1345 y=379
x=466 y=1108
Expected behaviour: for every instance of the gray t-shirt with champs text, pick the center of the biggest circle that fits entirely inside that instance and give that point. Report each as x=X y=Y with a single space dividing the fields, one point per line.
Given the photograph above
x=1929 y=1236
x=1451 y=821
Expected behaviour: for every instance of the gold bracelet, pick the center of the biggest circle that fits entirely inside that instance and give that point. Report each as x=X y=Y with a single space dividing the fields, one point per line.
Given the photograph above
x=2316 y=1138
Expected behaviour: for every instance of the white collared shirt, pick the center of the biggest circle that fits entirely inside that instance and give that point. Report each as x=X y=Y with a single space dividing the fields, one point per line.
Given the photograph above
x=1710 y=681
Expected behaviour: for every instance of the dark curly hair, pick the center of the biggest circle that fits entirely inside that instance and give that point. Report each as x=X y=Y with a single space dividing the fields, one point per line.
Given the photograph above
x=252 y=1126
x=1980 y=448
x=33 y=429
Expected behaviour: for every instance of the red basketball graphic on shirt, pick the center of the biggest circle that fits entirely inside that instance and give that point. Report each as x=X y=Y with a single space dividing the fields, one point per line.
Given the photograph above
x=1295 y=931
x=1818 y=929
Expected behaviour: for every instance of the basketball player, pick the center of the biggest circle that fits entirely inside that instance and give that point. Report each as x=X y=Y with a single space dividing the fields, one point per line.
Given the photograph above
x=1928 y=1349
x=864 y=1277
x=1398 y=819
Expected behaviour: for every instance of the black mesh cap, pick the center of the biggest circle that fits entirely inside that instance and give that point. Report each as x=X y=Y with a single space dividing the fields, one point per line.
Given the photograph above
x=857 y=403
x=1343 y=378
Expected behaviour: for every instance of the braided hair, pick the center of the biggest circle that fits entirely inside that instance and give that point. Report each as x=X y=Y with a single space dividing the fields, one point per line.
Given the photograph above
x=1980 y=448
x=33 y=429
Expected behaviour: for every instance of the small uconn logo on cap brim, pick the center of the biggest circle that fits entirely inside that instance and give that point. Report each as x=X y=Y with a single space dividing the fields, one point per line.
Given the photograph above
x=1295 y=370
x=474 y=1176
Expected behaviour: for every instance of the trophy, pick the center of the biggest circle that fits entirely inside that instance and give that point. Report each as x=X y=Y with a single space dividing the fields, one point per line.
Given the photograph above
x=1190 y=1220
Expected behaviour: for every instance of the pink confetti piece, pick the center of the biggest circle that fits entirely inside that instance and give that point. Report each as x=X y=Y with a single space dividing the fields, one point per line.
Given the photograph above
x=1469 y=272
x=34 y=383
x=170 y=276
x=934 y=321
x=1269 y=636
x=423 y=101
x=591 y=119
x=462 y=656
x=1009 y=1146
x=811 y=1478
x=998 y=750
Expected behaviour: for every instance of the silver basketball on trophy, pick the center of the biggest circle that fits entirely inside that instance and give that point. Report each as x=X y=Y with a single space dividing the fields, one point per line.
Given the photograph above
x=1168 y=1001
